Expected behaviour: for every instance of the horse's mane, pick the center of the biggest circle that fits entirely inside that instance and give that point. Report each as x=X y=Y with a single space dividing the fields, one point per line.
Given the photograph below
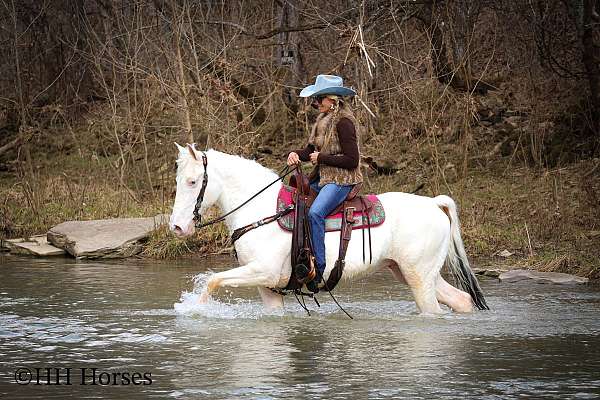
x=230 y=161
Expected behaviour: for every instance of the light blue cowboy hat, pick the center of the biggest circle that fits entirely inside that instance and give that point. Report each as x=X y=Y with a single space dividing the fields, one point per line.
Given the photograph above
x=327 y=84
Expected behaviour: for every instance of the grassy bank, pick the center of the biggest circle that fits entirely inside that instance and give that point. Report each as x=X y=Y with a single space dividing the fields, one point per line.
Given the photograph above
x=548 y=219
x=499 y=110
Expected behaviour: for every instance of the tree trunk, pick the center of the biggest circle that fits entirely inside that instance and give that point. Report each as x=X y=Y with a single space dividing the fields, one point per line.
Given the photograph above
x=177 y=20
x=439 y=57
x=463 y=22
x=443 y=69
x=591 y=59
x=288 y=53
x=21 y=101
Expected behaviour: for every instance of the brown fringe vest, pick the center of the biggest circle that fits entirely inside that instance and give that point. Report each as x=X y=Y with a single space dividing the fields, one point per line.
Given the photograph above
x=324 y=137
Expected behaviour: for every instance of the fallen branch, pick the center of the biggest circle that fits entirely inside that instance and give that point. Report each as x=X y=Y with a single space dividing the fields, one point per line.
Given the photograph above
x=10 y=145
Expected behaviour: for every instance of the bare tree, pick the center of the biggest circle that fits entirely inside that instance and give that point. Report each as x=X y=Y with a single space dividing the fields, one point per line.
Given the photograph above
x=590 y=40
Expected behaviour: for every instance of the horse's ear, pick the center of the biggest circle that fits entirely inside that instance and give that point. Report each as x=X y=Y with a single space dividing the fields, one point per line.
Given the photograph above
x=179 y=147
x=192 y=151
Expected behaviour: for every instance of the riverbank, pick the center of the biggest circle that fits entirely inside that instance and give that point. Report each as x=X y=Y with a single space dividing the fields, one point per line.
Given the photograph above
x=512 y=216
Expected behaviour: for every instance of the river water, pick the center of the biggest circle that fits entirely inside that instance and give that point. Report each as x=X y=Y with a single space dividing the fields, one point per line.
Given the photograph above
x=538 y=341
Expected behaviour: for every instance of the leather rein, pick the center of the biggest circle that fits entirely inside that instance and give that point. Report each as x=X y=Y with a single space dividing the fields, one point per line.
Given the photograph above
x=198 y=218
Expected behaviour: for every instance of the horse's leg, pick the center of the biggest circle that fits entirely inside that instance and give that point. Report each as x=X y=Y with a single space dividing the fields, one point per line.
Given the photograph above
x=421 y=288
x=422 y=282
x=270 y=299
x=395 y=270
x=251 y=274
x=454 y=298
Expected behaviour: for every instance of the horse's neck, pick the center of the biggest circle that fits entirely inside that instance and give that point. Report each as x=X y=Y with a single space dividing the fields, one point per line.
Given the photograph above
x=241 y=179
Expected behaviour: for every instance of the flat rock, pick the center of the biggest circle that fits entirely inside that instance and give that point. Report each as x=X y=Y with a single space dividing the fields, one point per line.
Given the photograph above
x=492 y=273
x=34 y=246
x=542 y=277
x=505 y=253
x=105 y=238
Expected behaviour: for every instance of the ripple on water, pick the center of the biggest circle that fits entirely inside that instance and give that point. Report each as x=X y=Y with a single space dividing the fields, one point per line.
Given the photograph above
x=128 y=337
x=9 y=302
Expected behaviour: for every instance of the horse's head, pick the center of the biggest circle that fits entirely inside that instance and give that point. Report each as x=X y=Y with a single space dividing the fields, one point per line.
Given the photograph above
x=190 y=177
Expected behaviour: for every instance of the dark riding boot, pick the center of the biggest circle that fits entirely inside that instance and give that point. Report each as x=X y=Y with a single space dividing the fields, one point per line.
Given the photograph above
x=313 y=285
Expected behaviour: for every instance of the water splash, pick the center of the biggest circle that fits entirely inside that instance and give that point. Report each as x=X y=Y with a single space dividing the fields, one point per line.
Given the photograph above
x=200 y=282
x=229 y=308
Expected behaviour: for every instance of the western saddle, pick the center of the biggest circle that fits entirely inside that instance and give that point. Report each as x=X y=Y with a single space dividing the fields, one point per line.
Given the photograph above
x=301 y=244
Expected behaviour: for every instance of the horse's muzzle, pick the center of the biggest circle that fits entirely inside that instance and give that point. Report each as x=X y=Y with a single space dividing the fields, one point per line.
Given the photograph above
x=182 y=232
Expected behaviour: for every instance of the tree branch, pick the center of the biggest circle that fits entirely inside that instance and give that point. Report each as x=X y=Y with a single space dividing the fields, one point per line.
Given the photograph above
x=277 y=31
x=10 y=145
x=344 y=17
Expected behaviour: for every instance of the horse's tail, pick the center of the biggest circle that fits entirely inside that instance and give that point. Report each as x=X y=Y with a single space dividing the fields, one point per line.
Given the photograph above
x=457 y=257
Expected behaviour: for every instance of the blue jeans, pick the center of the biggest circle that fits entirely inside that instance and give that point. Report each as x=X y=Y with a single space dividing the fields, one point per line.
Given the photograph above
x=330 y=196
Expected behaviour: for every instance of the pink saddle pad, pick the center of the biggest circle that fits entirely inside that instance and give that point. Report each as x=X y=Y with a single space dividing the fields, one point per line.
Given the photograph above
x=332 y=222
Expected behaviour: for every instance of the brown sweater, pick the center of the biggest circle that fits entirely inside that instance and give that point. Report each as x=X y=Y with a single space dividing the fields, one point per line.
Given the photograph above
x=347 y=136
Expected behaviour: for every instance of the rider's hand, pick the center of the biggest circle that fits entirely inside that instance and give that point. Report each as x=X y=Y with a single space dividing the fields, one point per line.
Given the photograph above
x=293 y=159
x=314 y=156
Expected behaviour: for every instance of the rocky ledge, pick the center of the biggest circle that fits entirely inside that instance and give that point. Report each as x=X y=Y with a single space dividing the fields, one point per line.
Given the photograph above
x=105 y=238
x=541 y=277
x=33 y=246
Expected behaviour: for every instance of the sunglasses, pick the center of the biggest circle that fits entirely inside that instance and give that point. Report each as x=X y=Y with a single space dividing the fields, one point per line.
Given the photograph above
x=317 y=101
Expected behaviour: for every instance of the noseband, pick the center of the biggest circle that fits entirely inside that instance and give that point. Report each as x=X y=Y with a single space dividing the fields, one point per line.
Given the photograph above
x=197 y=216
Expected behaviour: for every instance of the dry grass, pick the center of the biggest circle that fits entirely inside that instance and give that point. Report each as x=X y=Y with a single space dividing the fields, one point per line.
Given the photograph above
x=63 y=189
x=211 y=240
x=548 y=218
x=119 y=163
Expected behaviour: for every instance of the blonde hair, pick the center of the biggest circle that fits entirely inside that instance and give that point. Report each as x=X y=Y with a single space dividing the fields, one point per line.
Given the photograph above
x=339 y=100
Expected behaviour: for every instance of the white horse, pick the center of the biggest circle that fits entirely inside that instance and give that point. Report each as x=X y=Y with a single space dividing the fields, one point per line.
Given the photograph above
x=419 y=234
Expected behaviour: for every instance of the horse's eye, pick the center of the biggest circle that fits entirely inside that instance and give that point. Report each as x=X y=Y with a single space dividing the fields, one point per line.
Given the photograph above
x=175 y=166
x=192 y=183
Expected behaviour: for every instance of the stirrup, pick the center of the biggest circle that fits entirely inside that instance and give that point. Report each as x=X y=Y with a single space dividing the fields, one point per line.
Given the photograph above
x=305 y=273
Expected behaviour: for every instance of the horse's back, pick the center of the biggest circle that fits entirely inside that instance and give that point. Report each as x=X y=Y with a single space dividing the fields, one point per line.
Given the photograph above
x=411 y=215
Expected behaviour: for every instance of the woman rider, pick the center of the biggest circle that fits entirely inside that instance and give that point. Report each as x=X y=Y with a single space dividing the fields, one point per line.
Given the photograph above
x=333 y=147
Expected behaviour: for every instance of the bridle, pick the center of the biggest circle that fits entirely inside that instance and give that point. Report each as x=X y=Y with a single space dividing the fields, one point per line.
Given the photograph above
x=198 y=218
x=200 y=198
